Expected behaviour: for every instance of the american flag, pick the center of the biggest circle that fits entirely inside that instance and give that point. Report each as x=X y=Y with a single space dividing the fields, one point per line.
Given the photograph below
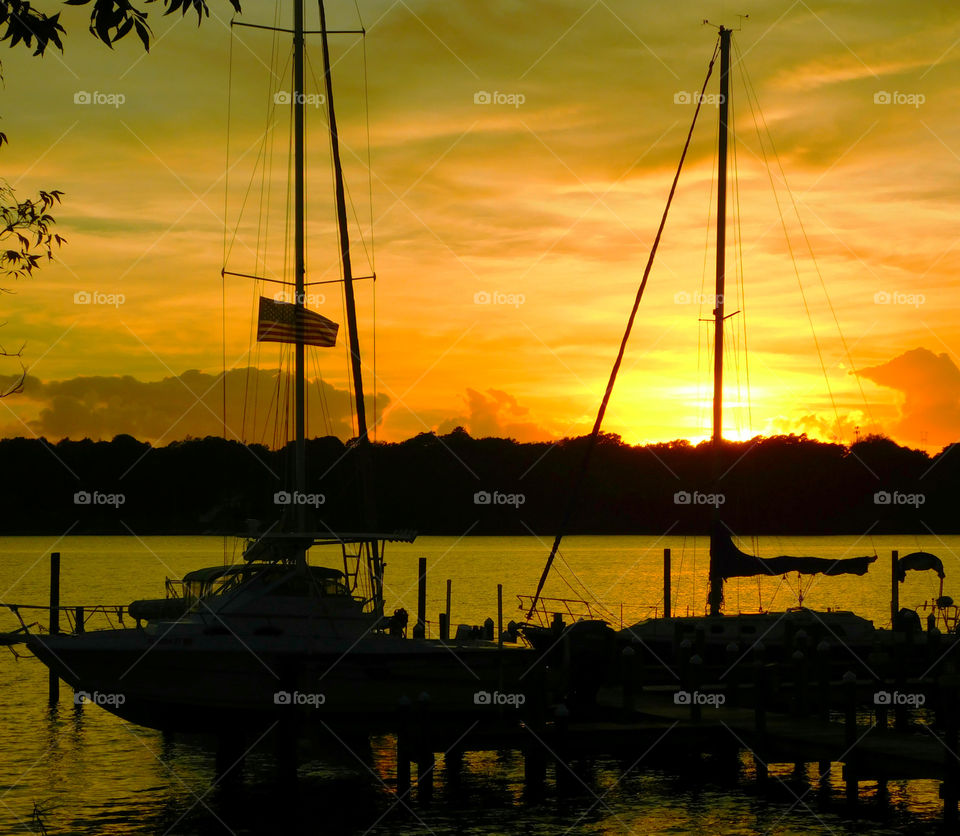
x=276 y=324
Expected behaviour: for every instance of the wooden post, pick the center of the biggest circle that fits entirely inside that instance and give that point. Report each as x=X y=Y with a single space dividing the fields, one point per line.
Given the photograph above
x=763 y=771
x=444 y=627
x=823 y=779
x=894 y=588
x=448 y=604
x=950 y=787
x=534 y=755
x=403 y=747
x=453 y=766
x=53 y=679
x=425 y=757
x=78 y=620
x=852 y=785
x=850 y=707
x=563 y=770
x=500 y=615
x=420 y=629
x=666 y=583
x=883 y=793
x=850 y=735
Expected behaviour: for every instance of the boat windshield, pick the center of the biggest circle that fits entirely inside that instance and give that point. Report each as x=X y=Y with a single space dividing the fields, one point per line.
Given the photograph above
x=219 y=580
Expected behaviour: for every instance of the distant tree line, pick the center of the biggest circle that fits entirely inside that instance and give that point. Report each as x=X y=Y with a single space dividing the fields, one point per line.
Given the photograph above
x=453 y=484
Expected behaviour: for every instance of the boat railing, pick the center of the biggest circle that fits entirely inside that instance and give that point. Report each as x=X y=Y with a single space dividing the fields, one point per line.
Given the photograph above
x=72 y=619
x=571 y=608
x=946 y=616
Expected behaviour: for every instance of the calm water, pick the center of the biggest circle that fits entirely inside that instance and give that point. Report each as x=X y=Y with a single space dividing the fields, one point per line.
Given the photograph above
x=93 y=773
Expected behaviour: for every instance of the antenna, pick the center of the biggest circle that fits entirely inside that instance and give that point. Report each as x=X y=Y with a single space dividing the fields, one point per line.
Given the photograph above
x=740 y=18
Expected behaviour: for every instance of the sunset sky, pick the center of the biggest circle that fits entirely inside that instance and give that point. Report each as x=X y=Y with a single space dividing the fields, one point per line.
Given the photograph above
x=543 y=201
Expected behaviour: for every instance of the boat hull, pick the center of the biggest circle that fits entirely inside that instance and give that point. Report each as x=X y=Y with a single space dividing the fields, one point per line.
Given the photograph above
x=198 y=685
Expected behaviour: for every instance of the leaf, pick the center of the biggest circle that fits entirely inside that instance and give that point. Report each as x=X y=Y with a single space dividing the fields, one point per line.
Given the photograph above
x=143 y=32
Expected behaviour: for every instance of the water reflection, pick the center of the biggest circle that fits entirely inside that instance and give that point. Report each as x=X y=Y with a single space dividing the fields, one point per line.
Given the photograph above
x=87 y=772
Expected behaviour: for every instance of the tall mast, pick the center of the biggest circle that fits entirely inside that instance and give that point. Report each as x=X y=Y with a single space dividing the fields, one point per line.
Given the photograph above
x=715 y=597
x=368 y=508
x=299 y=269
x=344 y=240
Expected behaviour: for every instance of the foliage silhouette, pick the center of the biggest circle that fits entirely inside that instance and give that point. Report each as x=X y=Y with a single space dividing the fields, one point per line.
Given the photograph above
x=429 y=483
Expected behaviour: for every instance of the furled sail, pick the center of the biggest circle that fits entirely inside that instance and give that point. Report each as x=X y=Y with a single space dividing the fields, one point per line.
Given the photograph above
x=727 y=561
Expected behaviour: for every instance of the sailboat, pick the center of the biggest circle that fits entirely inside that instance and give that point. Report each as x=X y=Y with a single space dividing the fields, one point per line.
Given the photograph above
x=716 y=630
x=274 y=633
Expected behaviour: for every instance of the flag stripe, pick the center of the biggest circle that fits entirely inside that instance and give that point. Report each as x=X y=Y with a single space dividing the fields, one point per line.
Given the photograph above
x=277 y=322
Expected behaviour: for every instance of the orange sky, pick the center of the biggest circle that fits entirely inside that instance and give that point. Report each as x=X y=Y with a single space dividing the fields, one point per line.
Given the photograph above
x=548 y=205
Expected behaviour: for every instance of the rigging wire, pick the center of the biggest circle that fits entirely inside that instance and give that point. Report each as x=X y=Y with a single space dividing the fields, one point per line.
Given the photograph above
x=223 y=276
x=836 y=320
x=703 y=327
x=796 y=270
x=751 y=96
x=741 y=278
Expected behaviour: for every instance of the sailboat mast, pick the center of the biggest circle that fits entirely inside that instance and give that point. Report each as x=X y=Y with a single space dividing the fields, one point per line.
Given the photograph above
x=363 y=442
x=299 y=269
x=721 y=238
x=344 y=241
x=715 y=597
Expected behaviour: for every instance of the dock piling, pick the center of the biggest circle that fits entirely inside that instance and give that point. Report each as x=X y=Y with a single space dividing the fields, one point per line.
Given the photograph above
x=53 y=680
x=420 y=629
x=447 y=610
x=666 y=583
x=426 y=761
x=403 y=747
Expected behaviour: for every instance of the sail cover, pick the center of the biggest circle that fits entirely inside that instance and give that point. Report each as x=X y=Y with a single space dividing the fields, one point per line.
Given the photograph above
x=919 y=561
x=727 y=561
x=277 y=323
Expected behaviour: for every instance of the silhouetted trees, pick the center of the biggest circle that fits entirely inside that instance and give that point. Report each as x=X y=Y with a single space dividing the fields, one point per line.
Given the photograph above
x=453 y=484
